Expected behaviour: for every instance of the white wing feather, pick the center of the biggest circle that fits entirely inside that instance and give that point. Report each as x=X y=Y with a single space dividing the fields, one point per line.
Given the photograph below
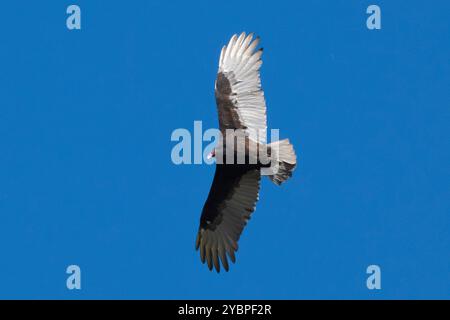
x=240 y=64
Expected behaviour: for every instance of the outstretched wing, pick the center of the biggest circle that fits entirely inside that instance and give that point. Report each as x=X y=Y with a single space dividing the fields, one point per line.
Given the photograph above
x=230 y=202
x=239 y=97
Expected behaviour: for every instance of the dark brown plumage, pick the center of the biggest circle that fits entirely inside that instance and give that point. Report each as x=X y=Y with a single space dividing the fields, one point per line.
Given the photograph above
x=235 y=188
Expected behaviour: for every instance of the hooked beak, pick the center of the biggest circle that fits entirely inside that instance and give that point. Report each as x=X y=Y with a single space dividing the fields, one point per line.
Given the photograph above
x=211 y=155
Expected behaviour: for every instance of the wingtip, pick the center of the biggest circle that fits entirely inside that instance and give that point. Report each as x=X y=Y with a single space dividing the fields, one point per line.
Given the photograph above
x=210 y=266
x=197 y=241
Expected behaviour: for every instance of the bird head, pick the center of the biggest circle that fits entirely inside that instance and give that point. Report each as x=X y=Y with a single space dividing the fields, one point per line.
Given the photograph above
x=212 y=154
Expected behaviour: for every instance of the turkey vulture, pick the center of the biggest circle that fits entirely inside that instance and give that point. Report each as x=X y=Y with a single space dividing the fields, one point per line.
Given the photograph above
x=235 y=188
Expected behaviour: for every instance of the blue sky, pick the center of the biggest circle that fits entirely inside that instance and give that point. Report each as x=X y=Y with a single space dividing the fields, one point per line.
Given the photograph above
x=86 y=176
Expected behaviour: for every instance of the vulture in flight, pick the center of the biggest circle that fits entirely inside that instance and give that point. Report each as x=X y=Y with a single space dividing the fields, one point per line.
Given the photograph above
x=235 y=188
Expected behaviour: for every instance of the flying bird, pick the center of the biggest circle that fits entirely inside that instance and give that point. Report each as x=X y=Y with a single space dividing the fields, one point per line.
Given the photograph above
x=235 y=188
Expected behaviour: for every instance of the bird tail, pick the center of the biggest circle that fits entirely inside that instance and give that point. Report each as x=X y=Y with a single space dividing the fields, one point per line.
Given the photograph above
x=283 y=152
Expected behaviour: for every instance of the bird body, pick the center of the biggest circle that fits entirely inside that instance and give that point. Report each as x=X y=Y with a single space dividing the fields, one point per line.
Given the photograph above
x=241 y=155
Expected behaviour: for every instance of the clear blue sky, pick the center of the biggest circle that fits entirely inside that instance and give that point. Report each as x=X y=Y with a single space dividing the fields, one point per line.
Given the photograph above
x=86 y=176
